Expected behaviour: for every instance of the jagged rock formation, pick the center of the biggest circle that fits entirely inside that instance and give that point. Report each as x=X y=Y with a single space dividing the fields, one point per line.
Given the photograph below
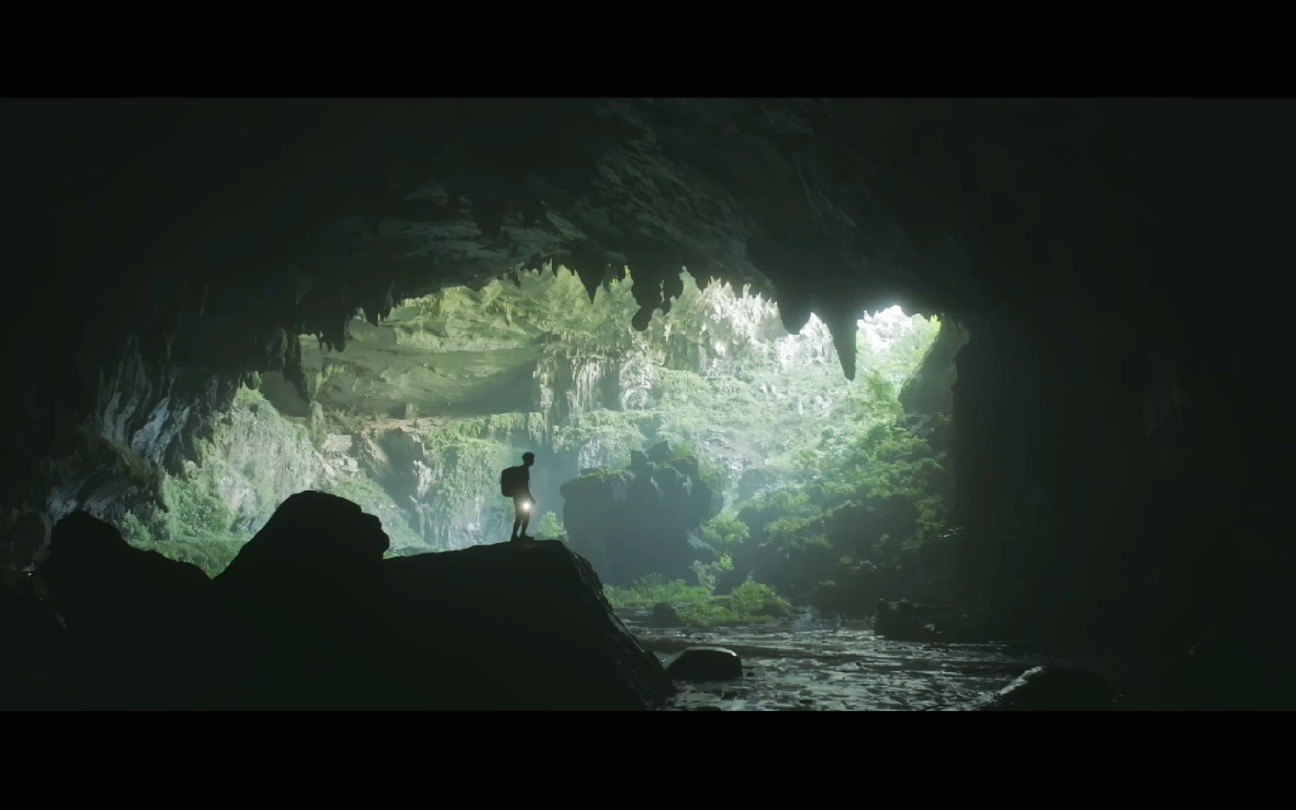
x=441 y=193
x=310 y=616
x=1110 y=438
x=642 y=519
x=413 y=419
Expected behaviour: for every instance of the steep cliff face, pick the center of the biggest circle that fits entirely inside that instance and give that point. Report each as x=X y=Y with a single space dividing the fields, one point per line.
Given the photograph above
x=931 y=388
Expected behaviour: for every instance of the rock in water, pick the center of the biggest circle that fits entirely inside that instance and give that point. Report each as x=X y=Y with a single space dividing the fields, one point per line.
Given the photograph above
x=705 y=664
x=520 y=627
x=664 y=614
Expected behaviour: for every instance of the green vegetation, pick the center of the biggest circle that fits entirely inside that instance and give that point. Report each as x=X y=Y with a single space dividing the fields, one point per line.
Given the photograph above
x=208 y=554
x=698 y=606
x=823 y=481
x=606 y=436
x=253 y=460
x=869 y=503
x=725 y=533
x=549 y=527
x=190 y=525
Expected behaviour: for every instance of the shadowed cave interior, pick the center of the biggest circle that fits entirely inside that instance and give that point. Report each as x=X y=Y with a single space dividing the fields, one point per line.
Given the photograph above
x=836 y=404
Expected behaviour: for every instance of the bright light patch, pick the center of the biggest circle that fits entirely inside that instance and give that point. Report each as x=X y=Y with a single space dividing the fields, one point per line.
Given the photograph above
x=894 y=342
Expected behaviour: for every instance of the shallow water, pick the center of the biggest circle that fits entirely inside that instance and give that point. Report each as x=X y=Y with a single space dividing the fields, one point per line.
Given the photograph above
x=810 y=665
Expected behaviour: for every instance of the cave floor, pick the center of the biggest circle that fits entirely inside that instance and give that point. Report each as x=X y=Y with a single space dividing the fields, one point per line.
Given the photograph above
x=807 y=665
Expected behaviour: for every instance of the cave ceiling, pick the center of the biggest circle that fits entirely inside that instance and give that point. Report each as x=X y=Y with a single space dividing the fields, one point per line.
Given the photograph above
x=228 y=228
x=185 y=243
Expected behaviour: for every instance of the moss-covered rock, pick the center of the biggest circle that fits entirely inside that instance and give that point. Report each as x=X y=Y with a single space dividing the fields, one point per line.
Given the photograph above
x=642 y=519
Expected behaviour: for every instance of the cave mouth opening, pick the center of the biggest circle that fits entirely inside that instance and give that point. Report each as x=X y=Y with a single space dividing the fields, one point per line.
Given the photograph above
x=809 y=478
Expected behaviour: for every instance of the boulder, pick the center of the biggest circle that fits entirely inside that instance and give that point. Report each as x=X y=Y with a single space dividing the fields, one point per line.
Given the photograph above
x=902 y=621
x=331 y=624
x=137 y=619
x=310 y=616
x=664 y=614
x=305 y=609
x=519 y=627
x=705 y=664
x=315 y=544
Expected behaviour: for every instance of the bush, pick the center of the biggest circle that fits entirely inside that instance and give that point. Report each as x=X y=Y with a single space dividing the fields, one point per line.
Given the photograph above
x=549 y=527
x=724 y=532
x=750 y=603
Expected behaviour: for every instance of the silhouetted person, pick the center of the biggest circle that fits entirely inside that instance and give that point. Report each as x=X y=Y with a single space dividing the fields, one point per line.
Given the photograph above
x=515 y=482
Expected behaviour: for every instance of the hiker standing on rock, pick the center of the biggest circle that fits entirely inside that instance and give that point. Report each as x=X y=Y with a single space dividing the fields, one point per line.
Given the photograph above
x=515 y=482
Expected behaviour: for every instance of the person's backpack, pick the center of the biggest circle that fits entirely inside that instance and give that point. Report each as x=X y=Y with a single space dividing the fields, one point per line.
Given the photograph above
x=511 y=481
